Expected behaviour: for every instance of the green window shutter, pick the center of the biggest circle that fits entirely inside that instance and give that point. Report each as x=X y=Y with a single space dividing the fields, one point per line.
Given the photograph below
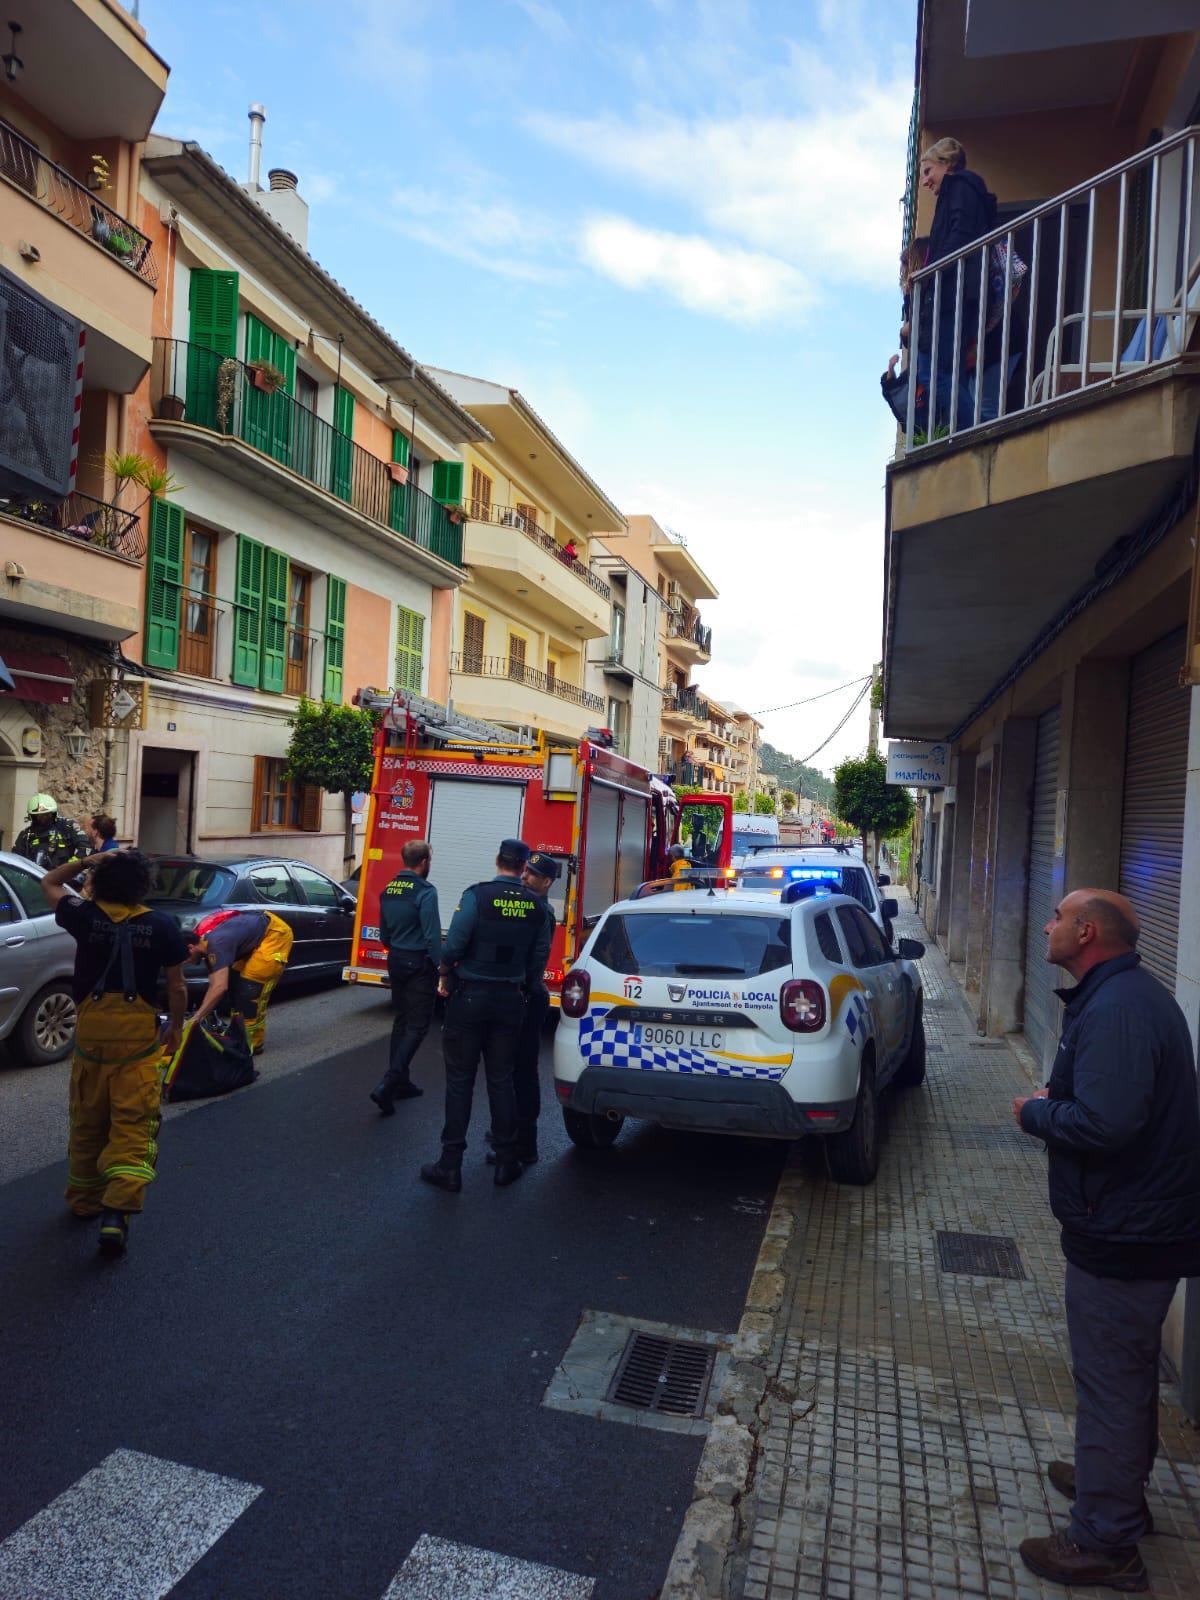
x=398 y=498
x=448 y=482
x=335 y=639
x=212 y=336
x=247 y=614
x=342 y=456
x=410 y=649
x=400 y=448
x=274 y=620
x=163 y=579
x=266 y=420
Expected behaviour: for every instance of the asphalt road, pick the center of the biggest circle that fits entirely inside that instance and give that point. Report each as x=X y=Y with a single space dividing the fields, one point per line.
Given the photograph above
x=300 y=1313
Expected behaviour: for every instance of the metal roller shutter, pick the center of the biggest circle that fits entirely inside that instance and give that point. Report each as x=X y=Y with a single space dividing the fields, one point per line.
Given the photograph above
x=467 y=820
x=1040 y=977
x=1156 y=754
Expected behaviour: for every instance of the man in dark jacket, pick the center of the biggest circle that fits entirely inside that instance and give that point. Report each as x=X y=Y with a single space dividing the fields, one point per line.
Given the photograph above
x=410 y=925
x=1122 y=1129
x=965 y=211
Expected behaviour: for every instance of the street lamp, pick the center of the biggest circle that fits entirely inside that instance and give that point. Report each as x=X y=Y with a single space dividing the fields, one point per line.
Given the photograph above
x=76 y=743
x=13 y=65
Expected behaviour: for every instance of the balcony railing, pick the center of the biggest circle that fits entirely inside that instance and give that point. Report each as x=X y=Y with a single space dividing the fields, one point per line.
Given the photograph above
x=197 y=386
x=684 y=623
x=687 y=702
x=473 y=666
x=78 y=516
x=512 y=517
x=1096 y=285
x=54 y=188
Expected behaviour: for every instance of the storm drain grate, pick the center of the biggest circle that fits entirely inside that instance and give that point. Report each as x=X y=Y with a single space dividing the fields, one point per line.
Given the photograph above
x=986 y=1255
x=657 y=1374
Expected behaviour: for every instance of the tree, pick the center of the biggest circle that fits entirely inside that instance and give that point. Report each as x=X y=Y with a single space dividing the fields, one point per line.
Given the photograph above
x=787 y=800
x=333 y=747
x=741 y=802
x=865 y=800
x=764 y=806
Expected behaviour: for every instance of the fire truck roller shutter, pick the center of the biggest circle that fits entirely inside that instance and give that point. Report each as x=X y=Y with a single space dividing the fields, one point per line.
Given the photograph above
x=632 y=866
x=600 y=849
x=467 y=820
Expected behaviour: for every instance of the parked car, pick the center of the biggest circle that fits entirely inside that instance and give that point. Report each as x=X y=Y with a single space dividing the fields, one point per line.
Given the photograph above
x=317 y=909
x=37 y=958
x=736 y=1012
x=840 y=866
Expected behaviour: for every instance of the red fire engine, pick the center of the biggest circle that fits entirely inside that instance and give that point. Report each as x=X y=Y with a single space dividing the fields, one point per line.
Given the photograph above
x=464 y=785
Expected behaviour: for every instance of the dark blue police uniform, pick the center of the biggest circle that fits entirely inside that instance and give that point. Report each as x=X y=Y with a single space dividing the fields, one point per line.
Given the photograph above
x=410 y=925
x=527 y=1085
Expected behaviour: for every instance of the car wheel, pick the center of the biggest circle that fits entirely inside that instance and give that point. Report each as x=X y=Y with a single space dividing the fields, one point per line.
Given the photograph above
x=47 y=1029
x=853 y=1156
x=589 y=1131
x=911 y=1072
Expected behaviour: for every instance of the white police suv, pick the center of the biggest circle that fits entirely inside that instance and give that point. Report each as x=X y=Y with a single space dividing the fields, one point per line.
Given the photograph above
x=840 y=867
x=736 y=1012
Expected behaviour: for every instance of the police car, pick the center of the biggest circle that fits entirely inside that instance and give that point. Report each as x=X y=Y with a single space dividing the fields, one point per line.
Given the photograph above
x=841 y=867
x=732 y=1011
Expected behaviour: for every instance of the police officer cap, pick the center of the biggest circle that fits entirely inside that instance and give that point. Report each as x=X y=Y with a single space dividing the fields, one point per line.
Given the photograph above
x=545 y=866
x=515 y=851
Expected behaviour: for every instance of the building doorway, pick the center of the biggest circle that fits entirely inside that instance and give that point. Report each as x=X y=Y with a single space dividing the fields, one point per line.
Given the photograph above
x=166 y=823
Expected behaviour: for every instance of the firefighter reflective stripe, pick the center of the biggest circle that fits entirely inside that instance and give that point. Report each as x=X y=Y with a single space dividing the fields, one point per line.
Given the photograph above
x=107 y=1536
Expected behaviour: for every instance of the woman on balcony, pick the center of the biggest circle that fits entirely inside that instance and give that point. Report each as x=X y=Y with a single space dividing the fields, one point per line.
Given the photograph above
x=964 y=212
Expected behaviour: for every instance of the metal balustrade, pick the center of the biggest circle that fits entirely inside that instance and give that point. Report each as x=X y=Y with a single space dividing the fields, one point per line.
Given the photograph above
x=81 y=208
x=92 y=522
x=478 y=666
x=1111 y=288
x=193 y=385
x=513 y=517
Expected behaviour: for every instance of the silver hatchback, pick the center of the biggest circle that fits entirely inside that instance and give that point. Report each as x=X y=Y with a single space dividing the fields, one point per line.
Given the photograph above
x=37 y=958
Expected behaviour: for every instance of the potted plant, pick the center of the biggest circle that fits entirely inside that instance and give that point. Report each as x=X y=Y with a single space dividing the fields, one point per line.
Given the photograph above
x=455 y=513
x=98 y=177
x=170 y=408
x=226 y=389
x=397 y=472
x=117 y=244
x=265 y=375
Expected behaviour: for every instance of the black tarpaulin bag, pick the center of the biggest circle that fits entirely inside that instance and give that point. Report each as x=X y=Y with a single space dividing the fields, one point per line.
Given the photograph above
x=214 y=1057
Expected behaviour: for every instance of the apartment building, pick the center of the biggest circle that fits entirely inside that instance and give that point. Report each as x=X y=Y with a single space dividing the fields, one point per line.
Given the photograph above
x=624 y=669
x=743 y=734
x=664 y=561
x=1042 y=600
x=79 y=282
x=532 y=601
x=300 y=551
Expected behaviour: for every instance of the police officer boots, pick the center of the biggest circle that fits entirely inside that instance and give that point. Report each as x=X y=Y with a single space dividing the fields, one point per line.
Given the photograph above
x=443 y=1177
x=507 y=1172
x=390 y=1089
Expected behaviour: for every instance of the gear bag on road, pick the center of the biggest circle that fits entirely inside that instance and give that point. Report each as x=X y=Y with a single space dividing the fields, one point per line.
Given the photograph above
x=213 y=1058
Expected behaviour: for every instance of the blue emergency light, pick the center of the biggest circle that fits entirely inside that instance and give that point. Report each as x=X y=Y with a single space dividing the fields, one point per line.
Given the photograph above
x=816 y=874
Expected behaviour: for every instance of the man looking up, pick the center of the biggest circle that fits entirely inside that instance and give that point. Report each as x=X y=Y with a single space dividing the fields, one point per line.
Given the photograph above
x=1122 y=1129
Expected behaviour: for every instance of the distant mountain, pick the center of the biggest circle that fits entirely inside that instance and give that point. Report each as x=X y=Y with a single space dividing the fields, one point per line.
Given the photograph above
x=794 y=775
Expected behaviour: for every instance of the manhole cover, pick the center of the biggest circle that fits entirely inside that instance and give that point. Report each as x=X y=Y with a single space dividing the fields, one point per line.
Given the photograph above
x=985 y=1255
x=657 y=1374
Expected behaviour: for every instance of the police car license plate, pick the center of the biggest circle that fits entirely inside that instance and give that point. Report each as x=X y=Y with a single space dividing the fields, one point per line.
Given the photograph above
x=687 y=1038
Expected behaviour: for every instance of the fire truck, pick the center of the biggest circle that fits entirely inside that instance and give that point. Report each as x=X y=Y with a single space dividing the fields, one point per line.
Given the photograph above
x=464 y=784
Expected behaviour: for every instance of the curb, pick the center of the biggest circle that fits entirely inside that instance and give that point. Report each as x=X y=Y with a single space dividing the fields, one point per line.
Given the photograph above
x=713 y=1524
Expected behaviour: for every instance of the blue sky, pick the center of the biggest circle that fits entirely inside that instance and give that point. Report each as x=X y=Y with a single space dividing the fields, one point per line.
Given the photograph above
x=672 y=224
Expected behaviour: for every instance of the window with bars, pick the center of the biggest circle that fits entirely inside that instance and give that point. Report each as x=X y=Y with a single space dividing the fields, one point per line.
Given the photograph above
x=481 y=495
x=472 y=647
x=280 y=802
x=410 y=649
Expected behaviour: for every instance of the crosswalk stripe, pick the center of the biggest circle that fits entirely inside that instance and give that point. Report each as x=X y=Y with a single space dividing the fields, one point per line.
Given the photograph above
x=134 y=1525
x=436 y=1569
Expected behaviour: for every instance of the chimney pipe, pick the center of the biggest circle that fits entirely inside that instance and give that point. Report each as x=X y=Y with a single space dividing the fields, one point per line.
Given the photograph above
x=257 y=115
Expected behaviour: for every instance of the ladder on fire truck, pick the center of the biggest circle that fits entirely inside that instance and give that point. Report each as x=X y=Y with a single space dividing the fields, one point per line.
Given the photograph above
x=426 y=722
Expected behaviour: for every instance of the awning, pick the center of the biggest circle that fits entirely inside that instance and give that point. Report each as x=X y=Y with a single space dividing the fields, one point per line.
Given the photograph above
x=48 y=680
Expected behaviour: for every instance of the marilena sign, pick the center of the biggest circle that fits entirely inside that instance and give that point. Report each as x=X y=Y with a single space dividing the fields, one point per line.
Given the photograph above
x=918 y=766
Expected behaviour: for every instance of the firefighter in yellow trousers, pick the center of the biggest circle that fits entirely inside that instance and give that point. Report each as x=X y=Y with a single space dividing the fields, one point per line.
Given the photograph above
x=246 y=953
x=122 y=951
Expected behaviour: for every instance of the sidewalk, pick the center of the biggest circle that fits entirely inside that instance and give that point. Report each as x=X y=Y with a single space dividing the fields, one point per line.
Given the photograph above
x=910 y=1413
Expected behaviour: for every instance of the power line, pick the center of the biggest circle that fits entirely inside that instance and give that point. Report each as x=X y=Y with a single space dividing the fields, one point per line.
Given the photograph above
x=825 y=693
x=858 y=699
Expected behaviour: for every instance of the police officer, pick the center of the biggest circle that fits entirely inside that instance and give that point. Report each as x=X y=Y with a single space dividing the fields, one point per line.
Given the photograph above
x=496 y=952
x=411 y=927
x=541 y=871
x=47 y=838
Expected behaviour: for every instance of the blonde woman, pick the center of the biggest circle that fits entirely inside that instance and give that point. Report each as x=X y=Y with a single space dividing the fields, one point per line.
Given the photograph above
x=965 y=211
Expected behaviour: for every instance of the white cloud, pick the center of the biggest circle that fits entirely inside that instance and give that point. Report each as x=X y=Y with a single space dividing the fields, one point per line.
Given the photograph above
x=723 y=280
x=546 y=19
x=818 y=190
x=489 y=234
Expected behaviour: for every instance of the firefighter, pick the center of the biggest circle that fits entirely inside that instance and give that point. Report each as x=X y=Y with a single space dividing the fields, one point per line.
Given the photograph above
x=495 y=952
x=122 y=950
x=411 y=927
x=541 y=871
x=47 y=838
x=678 y=866
x=246 y=953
